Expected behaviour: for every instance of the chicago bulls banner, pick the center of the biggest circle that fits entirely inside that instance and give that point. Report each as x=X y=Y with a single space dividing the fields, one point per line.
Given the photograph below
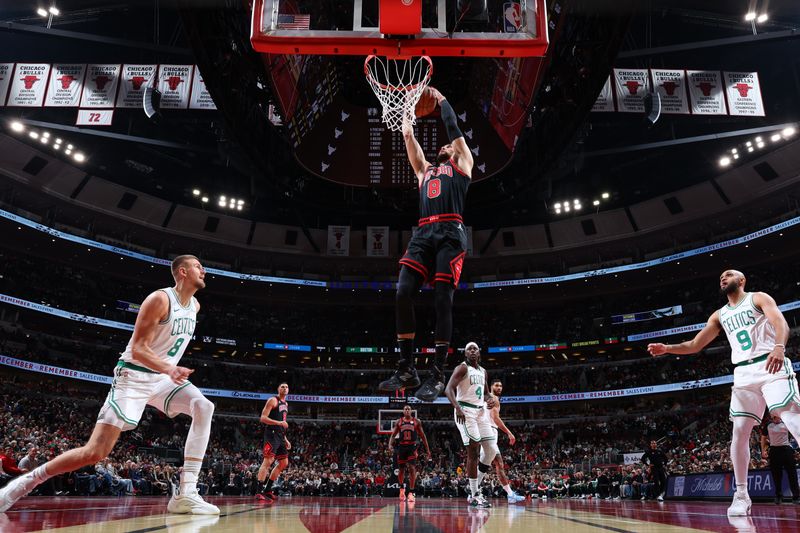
x=201 y=98
x=671 y=87
x=174 y=82
x=744 y=94
x=100 y=88
x=28 y=85
x=66 y=82
x=5 y=80
x=631 y=86
x=339 y=240
x=378 y=241
x=605 y=100
x=135 y=78
x=705 y=90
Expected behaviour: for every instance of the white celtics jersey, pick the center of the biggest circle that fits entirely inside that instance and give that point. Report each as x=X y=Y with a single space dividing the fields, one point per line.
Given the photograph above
x=472 y=389
x=749 y=332
x=173 y=334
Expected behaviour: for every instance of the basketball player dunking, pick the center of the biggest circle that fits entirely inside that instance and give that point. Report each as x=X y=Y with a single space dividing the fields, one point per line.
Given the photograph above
x=147 y=374
x=409 y=429
x=436 y=250
x=763 y=377
x=276 y=445
x=497 y=422
x=466 y=391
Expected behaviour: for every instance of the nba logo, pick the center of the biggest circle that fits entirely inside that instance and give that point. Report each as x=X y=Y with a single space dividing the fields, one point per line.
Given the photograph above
x=512 y=17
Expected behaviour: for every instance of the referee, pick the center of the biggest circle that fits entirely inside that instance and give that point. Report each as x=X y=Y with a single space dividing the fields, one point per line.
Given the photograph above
x=775 y=434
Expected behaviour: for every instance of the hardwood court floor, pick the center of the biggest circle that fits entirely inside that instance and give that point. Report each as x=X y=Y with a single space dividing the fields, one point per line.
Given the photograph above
x=376 y=515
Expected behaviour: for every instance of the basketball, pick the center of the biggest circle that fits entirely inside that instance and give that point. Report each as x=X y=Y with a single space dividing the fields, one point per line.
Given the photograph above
x=427 y=103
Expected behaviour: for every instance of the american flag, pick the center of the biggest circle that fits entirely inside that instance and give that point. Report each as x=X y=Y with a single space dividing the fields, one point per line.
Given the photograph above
x=294 y=22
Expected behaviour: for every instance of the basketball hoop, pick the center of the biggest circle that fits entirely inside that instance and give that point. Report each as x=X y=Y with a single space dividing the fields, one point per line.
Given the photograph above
x=398 y=83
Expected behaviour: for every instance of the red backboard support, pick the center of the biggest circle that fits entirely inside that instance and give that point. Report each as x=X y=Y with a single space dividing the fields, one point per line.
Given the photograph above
x=268 y=37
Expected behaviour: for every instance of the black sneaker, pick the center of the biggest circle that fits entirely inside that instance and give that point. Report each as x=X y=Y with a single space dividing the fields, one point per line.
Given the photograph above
x=401 y=379
x=430 y=390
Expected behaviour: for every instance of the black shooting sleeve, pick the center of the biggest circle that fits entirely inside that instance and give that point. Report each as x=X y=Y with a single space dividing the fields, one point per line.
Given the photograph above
x=450 y=121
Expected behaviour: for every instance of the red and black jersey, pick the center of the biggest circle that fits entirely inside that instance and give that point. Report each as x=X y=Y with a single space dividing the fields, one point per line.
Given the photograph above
x=443 y=192
x=279 y=414
x=407 y=435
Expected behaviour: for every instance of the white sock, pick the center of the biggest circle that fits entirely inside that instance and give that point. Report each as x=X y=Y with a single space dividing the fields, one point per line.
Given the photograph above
x=740 y=450
x=191 y=469
x=473 y=486
x=741 y=487
x=508 y=490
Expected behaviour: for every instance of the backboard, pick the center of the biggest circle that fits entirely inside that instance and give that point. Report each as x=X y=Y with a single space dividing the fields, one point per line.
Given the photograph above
x=392 y=28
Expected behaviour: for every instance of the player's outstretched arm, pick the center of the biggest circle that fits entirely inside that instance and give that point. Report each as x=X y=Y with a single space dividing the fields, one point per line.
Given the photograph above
x=700 y=341
x=495 y=413
x=462 y=156
x=770 y=309
x=415 y=154
x=155 y=308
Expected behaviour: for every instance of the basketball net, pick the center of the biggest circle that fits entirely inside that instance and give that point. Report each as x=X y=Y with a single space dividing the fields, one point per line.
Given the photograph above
x=398 y=84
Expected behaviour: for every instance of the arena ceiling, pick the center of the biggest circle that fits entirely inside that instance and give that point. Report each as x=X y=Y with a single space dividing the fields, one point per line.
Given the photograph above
x=567 y=152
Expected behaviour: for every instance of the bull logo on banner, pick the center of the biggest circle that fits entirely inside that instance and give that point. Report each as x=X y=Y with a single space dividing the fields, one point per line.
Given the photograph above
x=137 y=82
x=743 y=89
x=66 y=80
x=705 y=87
x=669 y=87
x=633 y=87
x=101 y=81
x=173 y=82
x=29 y=80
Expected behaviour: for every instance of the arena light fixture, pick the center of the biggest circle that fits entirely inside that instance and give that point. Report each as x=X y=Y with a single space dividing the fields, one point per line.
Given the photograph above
x=762 y=17
x=788 y=132
x=566 y=208
x=53 y=10
x=748 y=143
x=56 y=147
x=204 y=199
x=221 y=203
x=43 y=139
x=196 y=192
x=775 y=137
x=578 y=207
x=70 y=146
x=734 y=151
x=67 y=151
x=736 y=156
x=17 y=126
x=222 y=199
x=750 y=148
x=79 y=157
x=605 y=196
x=239 y=207
x=759 y=139
x=724 y=161
x=240 y=202
x=42 y=12
x=751 y=15
x=33 y=135
x=58 y=140
x=760 y=145
x=596 y=203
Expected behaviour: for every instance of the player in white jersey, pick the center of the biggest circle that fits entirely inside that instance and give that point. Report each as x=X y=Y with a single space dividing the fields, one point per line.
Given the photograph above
x=147 y=374
x=763 y=377
x=497 y=422
x=466 y=391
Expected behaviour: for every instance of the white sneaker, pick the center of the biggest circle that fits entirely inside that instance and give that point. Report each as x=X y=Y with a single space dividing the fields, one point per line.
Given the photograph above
x=12 y=492
x=661 y=497
x=741 y=504
x=479 y=502
x=544 y=497
x=190 y=503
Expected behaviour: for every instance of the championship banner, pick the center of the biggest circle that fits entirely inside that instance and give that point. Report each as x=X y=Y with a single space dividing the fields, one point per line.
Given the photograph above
x=66 y=82
x=135 y=78
x=671 y=87
x=705 y=90
x=377 y=241
x=201 y=98
x=339 y=240
x=605 y=100
x=744 y=94
x=631 y=86
x=5 y=80
x=174 y=82
x=100 y=87
x=28 y=85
